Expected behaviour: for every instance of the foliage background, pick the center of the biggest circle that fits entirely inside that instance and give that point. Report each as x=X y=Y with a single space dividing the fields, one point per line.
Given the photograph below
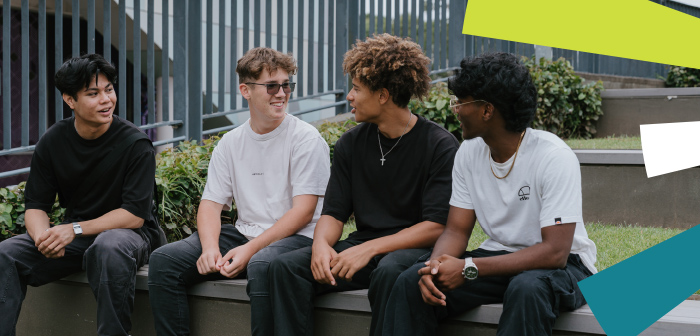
x=683 y=77
x=566 y=106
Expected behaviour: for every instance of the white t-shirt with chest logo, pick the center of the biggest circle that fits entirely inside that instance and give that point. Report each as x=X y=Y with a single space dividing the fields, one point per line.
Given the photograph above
x=263 y=172
x=543 y=189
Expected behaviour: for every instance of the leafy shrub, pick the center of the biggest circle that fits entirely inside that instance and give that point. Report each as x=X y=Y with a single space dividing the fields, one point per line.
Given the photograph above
x=181 y=173
x=331 y=132
x=565 y=105
x=436 y=107
x=683 y=77
x=12 y=212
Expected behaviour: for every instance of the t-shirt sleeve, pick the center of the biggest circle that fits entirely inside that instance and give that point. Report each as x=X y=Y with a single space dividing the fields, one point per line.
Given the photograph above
x=137 y=193
x=41 y=188
x=560 y=173
x=461 y=198
x=338 y=200
x=219 y=186
x=310 y=167
x=438 y=187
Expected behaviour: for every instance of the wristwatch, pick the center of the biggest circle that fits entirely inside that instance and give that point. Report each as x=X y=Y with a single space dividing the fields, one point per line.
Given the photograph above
x=77 y=229
x=470 y=271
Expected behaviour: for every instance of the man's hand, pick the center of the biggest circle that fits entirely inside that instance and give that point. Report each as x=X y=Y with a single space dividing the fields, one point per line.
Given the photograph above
x=348 y=262
x=431 y=295
x=321 y=256
x=446 y=271
x=235 y=261
x=52 y=242
x=208 y=261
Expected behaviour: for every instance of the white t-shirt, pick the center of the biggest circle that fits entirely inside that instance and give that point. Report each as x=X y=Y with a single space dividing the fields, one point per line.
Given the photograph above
x=543 y=189
x=263 y=172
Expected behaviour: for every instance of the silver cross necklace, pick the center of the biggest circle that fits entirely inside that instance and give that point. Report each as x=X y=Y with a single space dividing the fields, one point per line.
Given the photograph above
x=410 y=116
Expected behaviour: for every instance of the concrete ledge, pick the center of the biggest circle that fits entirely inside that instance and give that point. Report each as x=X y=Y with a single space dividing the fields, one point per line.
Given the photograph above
x=610 y=156
x=624 y=110
x=650 y=93
x=220 y=307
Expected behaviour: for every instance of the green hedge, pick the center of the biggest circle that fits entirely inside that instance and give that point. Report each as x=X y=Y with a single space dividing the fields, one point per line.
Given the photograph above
x=683 y=77
x=181 y=174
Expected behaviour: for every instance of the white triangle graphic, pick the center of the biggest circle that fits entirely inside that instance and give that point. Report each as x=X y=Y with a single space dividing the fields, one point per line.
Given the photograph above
x=670 y=147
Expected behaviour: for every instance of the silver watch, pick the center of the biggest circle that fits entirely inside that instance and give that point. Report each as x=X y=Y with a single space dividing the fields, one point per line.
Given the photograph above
x=470 y=271
x=77 y=229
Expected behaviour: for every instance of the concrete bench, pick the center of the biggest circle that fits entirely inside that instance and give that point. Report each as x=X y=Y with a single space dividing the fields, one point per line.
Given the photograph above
x=221 y=308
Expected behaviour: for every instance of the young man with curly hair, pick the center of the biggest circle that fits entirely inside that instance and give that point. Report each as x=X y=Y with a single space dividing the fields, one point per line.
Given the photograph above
x=393 y=172
x=109 y=228
x=276 y=168
x=524 y=186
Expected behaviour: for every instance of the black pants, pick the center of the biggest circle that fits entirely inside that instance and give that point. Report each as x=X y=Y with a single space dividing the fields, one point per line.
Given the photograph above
x=110 y=259
x=173 y=269
x=531 y=300
x=293 y=288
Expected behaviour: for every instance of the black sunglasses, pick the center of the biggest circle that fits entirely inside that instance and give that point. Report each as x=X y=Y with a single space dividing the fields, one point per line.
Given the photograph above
x=273 y=88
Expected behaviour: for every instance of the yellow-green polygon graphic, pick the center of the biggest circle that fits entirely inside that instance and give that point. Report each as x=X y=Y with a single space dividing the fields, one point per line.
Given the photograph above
x=636 y=29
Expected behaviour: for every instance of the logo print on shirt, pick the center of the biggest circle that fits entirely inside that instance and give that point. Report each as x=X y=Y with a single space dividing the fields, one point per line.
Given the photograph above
x=257 y=174
x=524 y=192
x=557 y=220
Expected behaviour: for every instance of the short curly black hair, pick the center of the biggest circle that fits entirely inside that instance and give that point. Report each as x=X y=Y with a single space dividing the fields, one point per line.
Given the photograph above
x=502 y=80
x=76 y=73
x=389 y=62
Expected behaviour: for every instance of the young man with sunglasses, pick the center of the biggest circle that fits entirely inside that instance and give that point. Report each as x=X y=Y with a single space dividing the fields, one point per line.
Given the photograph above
x=524 y=186
x=276 y=168
x=393 y=172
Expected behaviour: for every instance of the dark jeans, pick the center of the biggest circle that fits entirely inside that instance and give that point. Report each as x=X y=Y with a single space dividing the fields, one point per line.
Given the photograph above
x=293 y=288
x=110 y=259
x=173 y=268
x=531 y=300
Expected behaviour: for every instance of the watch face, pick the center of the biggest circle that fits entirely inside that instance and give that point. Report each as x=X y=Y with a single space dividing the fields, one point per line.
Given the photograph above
x=471 y=272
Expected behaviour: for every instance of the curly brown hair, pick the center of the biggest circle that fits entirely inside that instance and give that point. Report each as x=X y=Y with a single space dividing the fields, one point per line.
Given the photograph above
x=252 y=64
x=394 y=63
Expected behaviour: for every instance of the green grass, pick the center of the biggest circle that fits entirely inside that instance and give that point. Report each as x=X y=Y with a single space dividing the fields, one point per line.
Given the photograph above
x=619 y=142
x=615 y=243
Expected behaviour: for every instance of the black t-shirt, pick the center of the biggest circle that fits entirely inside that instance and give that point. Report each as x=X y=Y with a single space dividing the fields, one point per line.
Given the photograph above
x=62 y=160
x=413 y=185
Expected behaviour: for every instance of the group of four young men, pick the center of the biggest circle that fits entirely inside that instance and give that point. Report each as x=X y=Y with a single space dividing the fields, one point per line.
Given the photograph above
x=407 y=181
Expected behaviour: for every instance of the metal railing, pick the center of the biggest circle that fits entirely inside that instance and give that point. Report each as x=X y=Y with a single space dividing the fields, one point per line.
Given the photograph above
x=196 y=44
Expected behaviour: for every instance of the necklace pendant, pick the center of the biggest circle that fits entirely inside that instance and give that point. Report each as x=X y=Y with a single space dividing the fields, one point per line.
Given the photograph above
x=382 y=159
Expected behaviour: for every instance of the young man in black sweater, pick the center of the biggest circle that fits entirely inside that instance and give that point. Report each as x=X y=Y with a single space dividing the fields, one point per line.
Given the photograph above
x=393 y=172
x=108 y=229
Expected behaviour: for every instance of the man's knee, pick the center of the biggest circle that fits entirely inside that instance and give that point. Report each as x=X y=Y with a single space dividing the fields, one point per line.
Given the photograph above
x=529 y=286
x=290 y=263
x=117 y=247
x=395 y=263
x=9 y=248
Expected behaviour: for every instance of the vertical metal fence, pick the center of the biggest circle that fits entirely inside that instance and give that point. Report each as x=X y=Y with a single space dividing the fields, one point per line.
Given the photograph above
x=195 y=45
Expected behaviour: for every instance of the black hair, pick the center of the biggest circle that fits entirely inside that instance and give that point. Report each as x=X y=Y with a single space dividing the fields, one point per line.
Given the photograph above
x=76 y=73
x=502 y=80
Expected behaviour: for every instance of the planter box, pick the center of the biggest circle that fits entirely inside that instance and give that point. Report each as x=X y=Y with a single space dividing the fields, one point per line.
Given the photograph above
x=625 y=109
x=616 y=190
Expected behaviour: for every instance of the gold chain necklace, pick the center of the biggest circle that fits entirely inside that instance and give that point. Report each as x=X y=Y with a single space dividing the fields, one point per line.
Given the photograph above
x=512 y=164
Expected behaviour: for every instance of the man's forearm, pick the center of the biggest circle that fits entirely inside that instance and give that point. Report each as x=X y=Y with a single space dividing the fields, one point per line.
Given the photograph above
x=293 y=220
x=452 y=242
x=328 y=230
x=421 y=235
x=115 y=219
x=36 y=221
x=209 y=223
x=551 y=253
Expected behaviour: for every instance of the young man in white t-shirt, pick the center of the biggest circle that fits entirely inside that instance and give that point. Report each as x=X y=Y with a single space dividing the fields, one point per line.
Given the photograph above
x=524 y=187
x=276 y=168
